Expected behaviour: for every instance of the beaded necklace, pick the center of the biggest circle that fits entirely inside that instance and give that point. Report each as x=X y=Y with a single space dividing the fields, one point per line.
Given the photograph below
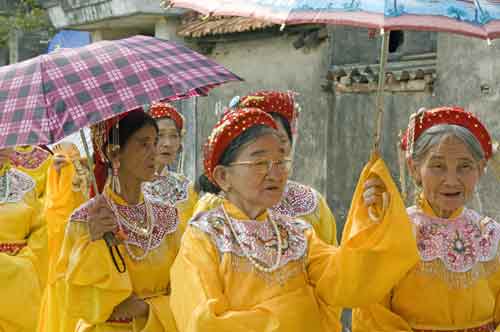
x=252 y=260
x=150 y=221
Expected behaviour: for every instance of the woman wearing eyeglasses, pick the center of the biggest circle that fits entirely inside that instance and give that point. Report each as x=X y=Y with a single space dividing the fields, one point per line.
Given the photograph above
x=243 y=267
x=299 y=200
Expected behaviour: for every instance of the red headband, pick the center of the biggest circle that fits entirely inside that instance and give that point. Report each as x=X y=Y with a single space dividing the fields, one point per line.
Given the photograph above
x=165 y=110
x=232 y=125
x=282 y=103
x=426 y=119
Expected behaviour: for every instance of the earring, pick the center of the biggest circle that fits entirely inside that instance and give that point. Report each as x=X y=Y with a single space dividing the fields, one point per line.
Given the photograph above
x=115 y=180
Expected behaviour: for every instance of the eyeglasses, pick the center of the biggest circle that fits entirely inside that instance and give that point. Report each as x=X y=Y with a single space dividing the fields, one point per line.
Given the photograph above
x=265 y=166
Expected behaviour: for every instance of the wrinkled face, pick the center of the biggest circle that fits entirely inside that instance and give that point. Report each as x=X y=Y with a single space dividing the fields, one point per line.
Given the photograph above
x=137 y=157
x=283 y=136
x=252 y=185
x=5 y=156
x=169 y=143
x=448 y=174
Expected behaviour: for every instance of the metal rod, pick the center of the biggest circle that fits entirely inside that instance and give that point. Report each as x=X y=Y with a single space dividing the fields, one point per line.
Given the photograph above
x=380 y=90
x=90 y=161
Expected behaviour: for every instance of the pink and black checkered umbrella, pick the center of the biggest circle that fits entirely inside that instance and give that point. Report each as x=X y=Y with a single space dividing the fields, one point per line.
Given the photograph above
x=52 y=96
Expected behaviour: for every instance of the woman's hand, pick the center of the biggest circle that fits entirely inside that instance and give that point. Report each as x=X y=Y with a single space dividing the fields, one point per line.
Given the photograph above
x=376 y=198
x=132 y=307
x=100 y=219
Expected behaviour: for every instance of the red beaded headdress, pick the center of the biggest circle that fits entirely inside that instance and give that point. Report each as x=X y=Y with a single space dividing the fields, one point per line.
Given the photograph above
x=425 y=119
x=282 y=103
x=232 y=125
x=161 y=110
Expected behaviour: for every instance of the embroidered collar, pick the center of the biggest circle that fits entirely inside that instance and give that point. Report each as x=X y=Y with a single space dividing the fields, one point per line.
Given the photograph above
x=298 y=200
x=459 y=243
x=258 y=236
x=170 y=189
x=166 y=218
x=14 y=185
x=30 y=159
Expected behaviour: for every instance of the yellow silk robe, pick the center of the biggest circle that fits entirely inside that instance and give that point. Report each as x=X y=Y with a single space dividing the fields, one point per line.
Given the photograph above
x=88 y=287
x=35 y=162
x=60 y=201
x=454 y=286
x=216 y=288
x=299 y=201
x=22 y=241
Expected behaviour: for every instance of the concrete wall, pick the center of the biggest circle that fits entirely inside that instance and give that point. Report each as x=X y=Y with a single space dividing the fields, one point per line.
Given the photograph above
x=273 y=63
x=82 y=13
x=468 y=75
x=351 y=140
x=352 y=120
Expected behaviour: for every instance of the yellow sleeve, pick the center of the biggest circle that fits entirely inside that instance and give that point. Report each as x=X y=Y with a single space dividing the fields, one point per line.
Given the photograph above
x=60 y=202
x=93 y=286
x=37 y=238
x=160 y=317
x=326 y=229
x=206 y=203
x=195 y=272
x=372 y=258
x=40 y=177
x=378 y=317
x=21 y=291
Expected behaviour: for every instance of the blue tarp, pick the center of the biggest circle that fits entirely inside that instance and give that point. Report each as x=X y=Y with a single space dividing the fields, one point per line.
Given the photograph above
x=69 y=39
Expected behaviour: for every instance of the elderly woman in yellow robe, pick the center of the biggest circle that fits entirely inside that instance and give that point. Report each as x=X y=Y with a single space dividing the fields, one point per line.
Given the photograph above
x=242 y=267
x=20 y=272
x=299 y=200
x=171 y=186
x=99 y=290
x=455 y=286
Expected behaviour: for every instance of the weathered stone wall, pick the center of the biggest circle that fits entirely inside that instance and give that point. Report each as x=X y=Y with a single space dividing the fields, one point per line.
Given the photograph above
x=351 y=140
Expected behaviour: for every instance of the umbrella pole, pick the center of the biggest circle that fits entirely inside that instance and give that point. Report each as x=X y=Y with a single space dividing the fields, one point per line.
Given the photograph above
x=90 y=160
x=380 y=90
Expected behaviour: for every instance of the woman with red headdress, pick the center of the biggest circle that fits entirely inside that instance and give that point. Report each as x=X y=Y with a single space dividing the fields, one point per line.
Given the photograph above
x=244 y=267
x=455 y=286
x=172 y=187
x=299 y=200
x=21 y=272
x=118 y=283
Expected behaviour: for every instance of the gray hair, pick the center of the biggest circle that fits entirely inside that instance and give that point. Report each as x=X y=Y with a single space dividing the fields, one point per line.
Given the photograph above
x=434 y=135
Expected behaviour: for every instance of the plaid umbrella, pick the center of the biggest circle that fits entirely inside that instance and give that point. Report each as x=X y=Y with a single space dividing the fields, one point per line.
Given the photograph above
x=52 y=96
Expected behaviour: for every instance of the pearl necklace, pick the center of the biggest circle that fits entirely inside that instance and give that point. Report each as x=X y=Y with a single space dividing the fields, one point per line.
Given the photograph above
x=252 y=260
x=4 y=187
x=148 y=232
